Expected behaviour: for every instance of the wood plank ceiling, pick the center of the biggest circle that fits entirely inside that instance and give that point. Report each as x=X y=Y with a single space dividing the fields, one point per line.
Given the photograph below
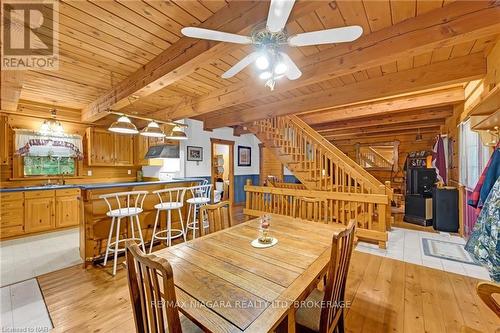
x=104 y=42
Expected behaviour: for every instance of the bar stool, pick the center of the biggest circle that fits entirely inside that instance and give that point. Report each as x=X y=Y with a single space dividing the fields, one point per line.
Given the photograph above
x=200 y=197
x=132 y=209
x=174 y=200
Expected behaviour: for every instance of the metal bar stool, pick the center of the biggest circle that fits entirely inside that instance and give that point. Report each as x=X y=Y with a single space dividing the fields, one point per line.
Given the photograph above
x=122 y=205
x=200 y=197
x=170 y=199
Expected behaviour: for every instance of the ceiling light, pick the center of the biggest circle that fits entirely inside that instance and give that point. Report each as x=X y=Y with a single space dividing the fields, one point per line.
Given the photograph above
x=51 y=127
x=265 y=75
x=177 y=134
x=262 y=62
x=123 y=125
x=280 y=68
x=152 y=130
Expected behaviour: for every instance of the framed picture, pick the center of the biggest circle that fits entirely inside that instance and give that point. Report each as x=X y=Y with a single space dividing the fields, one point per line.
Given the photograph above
x=244 y=156
x=194 y=153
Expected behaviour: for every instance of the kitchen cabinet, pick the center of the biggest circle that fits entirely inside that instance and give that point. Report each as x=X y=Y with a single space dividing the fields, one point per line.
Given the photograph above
x=67 y=208
x=39 y=211
x=4 y=140
x=109 y=149
x=11 y=214
x=141 y=148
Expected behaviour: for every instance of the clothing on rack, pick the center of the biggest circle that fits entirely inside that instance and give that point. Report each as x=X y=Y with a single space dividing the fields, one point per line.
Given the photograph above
x=486 y=181
x=439 y=159
x=484 y=242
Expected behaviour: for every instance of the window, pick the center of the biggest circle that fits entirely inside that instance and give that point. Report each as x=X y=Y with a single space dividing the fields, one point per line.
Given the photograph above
x=48 y=165
x=473 y=156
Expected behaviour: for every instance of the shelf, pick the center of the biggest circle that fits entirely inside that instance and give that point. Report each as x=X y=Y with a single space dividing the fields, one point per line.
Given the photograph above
x=489 y=122
x=488 y=104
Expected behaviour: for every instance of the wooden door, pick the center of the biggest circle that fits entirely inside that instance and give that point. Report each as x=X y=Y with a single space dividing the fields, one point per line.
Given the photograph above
x=123 y=149
x=100 y=147
x=39 y=214
x=67 y=211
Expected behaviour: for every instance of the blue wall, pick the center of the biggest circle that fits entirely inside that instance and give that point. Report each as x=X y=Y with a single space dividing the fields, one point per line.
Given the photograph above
x=239 y=184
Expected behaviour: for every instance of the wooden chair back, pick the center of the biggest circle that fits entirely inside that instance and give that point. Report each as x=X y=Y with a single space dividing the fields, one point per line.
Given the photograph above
x=219 y=217
x=311 y=209
x=332 y=313
x=485 y=291
x=153 y=299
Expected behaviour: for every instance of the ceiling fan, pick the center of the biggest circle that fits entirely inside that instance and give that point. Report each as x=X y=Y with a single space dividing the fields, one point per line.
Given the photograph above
x=269 y=40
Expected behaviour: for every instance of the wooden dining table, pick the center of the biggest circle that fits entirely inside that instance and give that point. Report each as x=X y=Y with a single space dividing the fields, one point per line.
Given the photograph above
x=225 y=284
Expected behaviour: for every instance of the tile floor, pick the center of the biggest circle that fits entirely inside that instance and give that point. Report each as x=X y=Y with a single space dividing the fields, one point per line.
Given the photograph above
x=406 y=245
x=27 y=257
x=23 y=308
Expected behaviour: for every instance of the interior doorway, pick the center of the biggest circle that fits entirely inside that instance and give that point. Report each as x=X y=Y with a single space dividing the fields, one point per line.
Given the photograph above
x=222 y=170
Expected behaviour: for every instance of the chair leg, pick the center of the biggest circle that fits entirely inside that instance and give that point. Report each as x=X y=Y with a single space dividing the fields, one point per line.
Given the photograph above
x=194 y=221
x=169 y=228
x=187 y=220
x=154 y=231
x=116 y=245
x=109 y=240
x=182 y=224
x=140 y=232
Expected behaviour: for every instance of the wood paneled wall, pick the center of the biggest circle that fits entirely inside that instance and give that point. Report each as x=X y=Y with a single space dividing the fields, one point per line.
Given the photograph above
x=99 y=174
x=269 y=164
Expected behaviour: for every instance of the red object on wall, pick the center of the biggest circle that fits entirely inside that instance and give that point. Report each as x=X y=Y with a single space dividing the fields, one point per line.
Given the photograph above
x=470 y=215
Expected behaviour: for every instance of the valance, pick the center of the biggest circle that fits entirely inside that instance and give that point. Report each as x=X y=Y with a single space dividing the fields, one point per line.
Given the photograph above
x=36 y=144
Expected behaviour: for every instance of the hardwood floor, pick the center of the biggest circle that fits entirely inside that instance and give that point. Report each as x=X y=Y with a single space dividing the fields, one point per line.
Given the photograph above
x=385 y=295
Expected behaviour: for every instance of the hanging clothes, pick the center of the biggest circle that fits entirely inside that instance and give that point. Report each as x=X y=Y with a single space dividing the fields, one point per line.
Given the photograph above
x=439 y=159
x=484 y=242
x=488 y=177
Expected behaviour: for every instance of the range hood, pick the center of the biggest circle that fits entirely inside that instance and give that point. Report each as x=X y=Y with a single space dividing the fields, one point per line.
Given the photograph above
x=163 y=151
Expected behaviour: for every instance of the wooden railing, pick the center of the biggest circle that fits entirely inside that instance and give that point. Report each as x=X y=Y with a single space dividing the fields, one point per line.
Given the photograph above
x=372 y=159
x=370 y=211
x=315 y=161
x=287 y=185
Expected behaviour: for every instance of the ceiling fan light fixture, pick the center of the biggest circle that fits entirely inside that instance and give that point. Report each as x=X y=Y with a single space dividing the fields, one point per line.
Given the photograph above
x=152 y=130
x=265 y=75
x=124 y=126
x=262 y=62
x=280 y=68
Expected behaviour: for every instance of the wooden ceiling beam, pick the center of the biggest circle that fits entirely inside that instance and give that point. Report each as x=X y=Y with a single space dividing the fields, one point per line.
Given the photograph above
x=186 y=55
x=391 y=119
x=458 y=22
x=387 y=106
x=448 y=72
x=378 y=129
x=386 y=136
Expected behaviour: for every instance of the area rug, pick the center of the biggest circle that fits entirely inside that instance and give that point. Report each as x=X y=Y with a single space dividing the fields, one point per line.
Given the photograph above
x=447 y=250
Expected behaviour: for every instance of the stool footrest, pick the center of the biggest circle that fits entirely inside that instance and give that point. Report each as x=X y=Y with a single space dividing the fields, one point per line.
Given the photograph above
x=178 y=234
x=111 y=246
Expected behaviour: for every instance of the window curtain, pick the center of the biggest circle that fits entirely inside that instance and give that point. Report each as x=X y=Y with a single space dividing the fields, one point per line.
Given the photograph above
x=35 y=144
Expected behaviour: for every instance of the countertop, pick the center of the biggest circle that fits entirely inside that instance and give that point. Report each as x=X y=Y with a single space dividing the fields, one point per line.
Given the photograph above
x=99 y=185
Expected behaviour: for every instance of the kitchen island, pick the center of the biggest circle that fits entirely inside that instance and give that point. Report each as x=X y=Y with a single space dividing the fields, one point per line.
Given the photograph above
x=94 y=224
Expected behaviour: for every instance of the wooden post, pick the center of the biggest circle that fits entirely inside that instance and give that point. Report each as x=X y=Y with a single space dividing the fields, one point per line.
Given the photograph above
x=390 y=218
x=247 y=196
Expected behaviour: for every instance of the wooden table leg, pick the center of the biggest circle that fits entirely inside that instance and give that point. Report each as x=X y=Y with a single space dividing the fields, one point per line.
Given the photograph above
x=287 y=325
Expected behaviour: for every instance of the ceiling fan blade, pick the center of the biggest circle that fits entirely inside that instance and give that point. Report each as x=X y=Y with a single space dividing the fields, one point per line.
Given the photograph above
x=279 y=11
x=215 y=35
x=293 y=72
x=240 y=65
x=336 y=35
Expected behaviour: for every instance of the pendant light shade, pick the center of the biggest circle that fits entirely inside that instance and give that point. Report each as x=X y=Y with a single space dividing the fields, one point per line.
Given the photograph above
x=153 y=130
x=177 y=134
x=123 y=125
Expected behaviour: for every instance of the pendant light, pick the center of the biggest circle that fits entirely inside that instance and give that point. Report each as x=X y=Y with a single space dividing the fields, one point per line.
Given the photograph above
x=177 y=134
x=124 y=126
x=153 y=130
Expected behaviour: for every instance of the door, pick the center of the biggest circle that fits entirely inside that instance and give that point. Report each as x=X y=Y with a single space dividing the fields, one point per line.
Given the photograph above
x=124 y=149
x=100 y=147
x=67 y=211
x=228 y=177
x=39 y=214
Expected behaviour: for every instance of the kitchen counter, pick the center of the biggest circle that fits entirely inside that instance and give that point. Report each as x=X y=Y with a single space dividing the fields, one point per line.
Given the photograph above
x=99 y=185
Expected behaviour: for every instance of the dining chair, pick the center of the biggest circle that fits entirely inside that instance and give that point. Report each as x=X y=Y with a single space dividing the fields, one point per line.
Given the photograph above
x=311 y=209
x=330 y=316
x=152 y=294
x=219 y=216
x=485 y=290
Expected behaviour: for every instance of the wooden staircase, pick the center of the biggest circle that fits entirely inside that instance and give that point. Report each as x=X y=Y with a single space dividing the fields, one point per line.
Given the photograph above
x=315 y=161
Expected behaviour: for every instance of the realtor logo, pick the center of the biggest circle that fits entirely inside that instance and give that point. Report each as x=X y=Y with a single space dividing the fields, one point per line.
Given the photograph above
x=30 y=35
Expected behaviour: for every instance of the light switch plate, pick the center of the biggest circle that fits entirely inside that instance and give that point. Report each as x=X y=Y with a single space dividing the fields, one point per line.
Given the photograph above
x=89 y=173
x=129 y=172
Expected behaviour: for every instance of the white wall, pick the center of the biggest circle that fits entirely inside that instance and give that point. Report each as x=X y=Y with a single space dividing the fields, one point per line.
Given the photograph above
x=200 y=138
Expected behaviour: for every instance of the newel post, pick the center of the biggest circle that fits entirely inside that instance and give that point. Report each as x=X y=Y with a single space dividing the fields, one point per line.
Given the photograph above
x=389 y=192
x=247 y=194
